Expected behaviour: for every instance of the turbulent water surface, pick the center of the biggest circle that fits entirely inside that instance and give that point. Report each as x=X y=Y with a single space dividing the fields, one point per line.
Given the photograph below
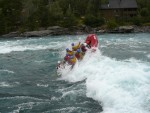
x=114 y=79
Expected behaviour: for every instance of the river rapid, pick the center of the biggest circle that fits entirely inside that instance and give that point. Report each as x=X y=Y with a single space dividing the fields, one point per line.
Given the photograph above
x=114 y=79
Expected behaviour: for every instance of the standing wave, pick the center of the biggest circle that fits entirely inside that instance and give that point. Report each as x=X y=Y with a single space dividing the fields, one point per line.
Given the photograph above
x=120 y=86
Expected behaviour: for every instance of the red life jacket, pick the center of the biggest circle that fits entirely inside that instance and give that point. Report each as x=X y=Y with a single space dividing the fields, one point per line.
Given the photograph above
x=66 y=58
x=83 y=49
x=77 y=56
x=69 y=60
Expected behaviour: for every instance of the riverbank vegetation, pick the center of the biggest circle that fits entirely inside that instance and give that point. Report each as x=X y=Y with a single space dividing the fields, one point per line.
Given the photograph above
x=28 y=15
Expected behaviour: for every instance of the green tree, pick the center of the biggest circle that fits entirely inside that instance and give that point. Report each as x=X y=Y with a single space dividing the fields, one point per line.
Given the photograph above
x=93 y=7
x=35 y=14
x=10 y=12
x=137 y=21
x=55 y=14
x=111 y=24
x=144 y=12
x=70 y=19
x=93 y=21
x=42 y=13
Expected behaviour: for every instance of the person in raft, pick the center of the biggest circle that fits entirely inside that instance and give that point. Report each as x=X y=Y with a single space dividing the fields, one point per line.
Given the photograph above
x=83 y=48
x=79 y=54
x=79 y=49
x=60 y=64
x=70 y=57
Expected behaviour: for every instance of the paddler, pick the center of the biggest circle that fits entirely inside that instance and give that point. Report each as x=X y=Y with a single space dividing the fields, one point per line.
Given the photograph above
x=70 y=57
x=75 y=47
x=78 y=52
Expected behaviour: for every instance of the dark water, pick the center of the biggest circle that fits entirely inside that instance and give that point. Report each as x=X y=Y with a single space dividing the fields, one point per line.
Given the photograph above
x=29 y=83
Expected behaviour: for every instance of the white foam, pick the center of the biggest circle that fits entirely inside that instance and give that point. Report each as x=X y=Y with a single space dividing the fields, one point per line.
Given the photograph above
x=148 y=55
x=42 y=85
x=9 y=49
x=5 y=84
x=5 y=70
x=121 y=86
x=23 y=106
x=65 y=110
x=30 y=44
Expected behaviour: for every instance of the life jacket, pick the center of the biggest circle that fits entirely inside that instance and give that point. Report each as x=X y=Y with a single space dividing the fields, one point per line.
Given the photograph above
x=92 y=40
x=72 y=61
x=66 y=58
x=70 y=53
x=83 y=48
x=75 y=47
x=79 y=54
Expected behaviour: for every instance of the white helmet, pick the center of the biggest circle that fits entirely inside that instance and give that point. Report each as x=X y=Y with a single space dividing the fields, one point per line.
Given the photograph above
x=58 y=62
x=84 y=44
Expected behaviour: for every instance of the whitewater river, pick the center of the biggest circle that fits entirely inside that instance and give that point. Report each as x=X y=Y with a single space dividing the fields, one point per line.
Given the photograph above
x=114 y=79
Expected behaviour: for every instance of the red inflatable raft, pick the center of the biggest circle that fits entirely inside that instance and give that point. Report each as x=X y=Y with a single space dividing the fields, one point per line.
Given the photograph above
x=92 y=40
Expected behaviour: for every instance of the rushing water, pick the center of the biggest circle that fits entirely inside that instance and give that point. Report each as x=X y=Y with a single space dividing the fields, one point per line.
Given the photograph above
x=115 y=79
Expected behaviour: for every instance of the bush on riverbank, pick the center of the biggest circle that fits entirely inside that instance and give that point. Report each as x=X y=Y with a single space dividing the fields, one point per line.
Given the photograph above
x=111 y=24
x=93 y=21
